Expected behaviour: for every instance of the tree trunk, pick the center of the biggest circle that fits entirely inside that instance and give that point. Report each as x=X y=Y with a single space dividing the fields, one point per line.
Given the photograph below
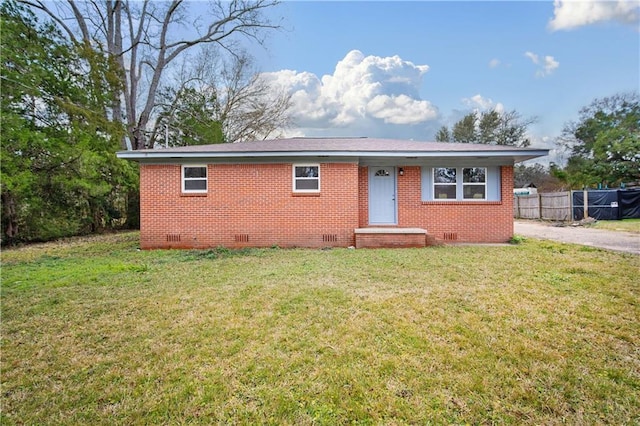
x=151 y=43
x=114 y=44
x=9 y=217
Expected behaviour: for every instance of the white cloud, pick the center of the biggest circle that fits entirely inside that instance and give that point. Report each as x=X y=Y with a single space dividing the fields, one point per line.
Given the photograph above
x=494 y=63
x=546 y=67
x=571 y=14
x=305 y=90
x=401 y=109
x=364 y=93
x=549 y=66
x=532 y=56
x=480 y=103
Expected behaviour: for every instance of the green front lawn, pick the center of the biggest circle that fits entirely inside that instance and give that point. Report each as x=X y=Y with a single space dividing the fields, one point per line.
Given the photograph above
x=97 y=332
x=628 y=225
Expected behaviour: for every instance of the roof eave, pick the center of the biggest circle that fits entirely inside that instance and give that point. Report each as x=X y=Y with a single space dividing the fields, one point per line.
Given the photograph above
x=517 y=155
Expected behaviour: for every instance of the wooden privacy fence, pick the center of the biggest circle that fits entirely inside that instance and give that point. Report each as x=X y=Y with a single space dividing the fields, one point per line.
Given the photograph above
x=548 y=206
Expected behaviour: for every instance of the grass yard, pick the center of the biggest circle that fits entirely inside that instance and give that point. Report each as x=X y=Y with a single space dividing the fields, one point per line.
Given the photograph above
x=96 y=332
x=628 y=225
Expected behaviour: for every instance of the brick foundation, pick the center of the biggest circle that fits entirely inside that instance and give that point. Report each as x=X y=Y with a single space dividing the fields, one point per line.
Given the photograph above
x=390 y=237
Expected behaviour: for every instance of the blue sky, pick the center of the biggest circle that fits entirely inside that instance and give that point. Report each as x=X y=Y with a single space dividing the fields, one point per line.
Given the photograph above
x=422 y=64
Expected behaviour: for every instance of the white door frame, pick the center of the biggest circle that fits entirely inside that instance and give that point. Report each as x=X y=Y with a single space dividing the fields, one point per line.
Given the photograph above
x=387 y=199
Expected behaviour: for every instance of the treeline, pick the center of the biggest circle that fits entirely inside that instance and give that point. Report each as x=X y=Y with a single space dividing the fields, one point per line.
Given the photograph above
x=59 y=175
x=602 y=147
x=77 y=88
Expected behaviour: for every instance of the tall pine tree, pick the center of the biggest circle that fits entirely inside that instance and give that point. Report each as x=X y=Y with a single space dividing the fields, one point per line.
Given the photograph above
x=58 y=175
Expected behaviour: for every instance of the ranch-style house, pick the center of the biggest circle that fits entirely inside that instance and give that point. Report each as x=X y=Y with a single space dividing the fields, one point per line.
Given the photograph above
x=326 y=192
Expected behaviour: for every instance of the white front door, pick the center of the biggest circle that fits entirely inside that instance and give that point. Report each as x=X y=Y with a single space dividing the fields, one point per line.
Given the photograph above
x=382 y=196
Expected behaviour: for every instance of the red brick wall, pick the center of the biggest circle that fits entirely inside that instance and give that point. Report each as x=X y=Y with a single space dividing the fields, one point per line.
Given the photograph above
x=480 y=221
x=390 y=240
x=248 y=205
x=254 y=205
x=363 y=197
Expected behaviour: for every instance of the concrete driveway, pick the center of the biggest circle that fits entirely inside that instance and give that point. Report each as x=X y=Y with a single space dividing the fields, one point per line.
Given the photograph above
x=610 y=240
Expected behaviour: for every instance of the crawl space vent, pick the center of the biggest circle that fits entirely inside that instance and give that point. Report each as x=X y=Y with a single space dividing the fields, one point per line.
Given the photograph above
x=329 y=238
x=450 y=236
x=241 y=238
x=173 y=238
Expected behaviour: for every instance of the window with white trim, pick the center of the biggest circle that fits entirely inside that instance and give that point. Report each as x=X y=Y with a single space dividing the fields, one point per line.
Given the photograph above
x=444 y=183
x=461 y=183
x=194 y=179
x=306 y=178
x=474 y=183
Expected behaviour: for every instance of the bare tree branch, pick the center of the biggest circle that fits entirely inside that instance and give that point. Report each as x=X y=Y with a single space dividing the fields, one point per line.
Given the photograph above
x=40 y=6
x=143 y=39
x=235 y=96
x=81 y=21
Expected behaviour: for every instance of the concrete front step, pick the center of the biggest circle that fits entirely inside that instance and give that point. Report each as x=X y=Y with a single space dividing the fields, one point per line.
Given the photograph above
x=390 y=237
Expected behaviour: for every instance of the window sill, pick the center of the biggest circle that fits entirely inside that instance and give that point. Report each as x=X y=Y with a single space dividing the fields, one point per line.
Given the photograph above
x=461 y=202
x=194 y=194
x=305 y=194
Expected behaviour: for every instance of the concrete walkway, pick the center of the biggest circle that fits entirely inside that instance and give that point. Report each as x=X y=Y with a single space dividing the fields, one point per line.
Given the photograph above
x=610 y=240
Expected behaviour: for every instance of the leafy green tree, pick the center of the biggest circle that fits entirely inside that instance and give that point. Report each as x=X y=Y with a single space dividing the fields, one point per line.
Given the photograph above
x=464 y=131
x=443 y=134
x=489 y=127
x=488 y=124
x=58 y=172
x=190 y=119
x=604 y=143
x=542 y=177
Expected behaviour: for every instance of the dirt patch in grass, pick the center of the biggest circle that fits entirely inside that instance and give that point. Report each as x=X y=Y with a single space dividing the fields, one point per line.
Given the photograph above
x=538 y=333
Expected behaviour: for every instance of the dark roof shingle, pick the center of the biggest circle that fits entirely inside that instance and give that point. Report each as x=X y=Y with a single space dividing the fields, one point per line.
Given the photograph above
x=337 y=145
